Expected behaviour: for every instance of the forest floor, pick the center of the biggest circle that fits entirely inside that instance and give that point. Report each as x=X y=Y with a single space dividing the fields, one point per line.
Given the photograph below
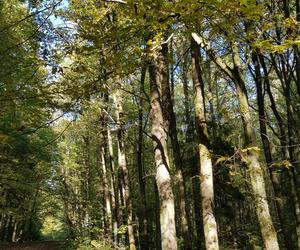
x=33 y=245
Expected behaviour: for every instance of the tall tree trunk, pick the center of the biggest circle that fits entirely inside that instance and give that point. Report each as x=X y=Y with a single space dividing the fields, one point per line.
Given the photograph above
x=297 y=63
x=285 y=217
x=192 y=161
x=187 y=116
x=114 y=195
x=7 y=230
x=113 y=188
x=159 y=137
x=4 y=226
x=251 y=157
x=158 y=244
x=123 y=168
x=285 y=141
x=15 y=230
x=171 y=67
x=171 y=128
x=108 y=213
x=140 y=170
x=297 y=50
x=206 y=170
x=250 y=154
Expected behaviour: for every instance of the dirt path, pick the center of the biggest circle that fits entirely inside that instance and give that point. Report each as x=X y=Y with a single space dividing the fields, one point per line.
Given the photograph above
x=33 y=245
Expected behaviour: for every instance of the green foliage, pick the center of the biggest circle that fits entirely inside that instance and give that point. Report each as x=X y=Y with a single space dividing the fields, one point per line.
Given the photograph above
x=26 y=148
x=51 y=180
x=81 y=243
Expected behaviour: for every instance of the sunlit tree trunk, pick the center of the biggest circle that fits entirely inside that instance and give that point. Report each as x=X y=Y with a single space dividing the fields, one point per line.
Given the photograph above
x=123 y=167
x=108 y=213
x=113 y=189
x=251 y=151
x=171 y=128
x=159 y=137
x=15 y=230
x=192 y=160
x=206 y=169
x=281 y=181
x=251 y=157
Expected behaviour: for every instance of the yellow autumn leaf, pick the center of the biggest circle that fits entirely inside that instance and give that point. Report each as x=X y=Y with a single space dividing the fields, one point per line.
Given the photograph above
x=255 y=149
x=221 y=159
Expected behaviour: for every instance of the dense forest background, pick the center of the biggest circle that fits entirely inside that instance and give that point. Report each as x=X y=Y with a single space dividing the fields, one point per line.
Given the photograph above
x=155 y=124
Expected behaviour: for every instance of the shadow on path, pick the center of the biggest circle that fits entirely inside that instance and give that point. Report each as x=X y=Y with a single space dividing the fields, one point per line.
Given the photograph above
x=34 y=245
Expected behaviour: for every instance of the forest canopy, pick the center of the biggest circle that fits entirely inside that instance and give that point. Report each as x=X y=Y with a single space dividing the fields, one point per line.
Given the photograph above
x=146 y=125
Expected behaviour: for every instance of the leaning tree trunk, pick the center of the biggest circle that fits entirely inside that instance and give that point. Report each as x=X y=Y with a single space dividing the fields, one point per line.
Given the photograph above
x=206 y=170
x=159 y=136
x=123 y=168
x=251 y=153
x=251 y=157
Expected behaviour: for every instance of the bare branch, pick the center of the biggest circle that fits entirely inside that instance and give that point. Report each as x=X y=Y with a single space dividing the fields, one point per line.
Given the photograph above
x=169 y=38
x=116 y=1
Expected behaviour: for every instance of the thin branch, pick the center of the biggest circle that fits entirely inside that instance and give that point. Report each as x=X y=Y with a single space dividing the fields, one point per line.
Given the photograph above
x=116 y=1
x=164 y=42
x=29 y=16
